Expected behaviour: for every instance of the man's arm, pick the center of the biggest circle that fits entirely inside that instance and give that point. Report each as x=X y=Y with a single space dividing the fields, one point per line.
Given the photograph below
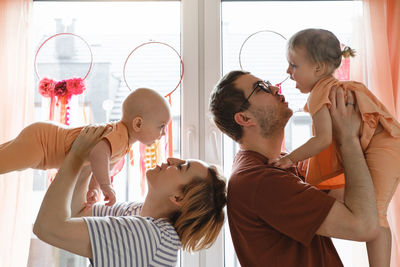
x=54 y=224
x=356 y=218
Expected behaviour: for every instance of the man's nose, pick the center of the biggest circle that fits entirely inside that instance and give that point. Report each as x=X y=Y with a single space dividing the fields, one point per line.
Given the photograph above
x=275 y=90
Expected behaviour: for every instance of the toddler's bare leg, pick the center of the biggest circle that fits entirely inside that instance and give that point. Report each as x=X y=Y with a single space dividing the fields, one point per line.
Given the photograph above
x=379 y=249
x=383 y=157
x=20 y=153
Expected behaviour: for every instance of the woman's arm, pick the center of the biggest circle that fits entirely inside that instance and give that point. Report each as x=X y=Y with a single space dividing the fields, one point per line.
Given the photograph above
x=79 y=207
x=54 y=224
x=322 y=139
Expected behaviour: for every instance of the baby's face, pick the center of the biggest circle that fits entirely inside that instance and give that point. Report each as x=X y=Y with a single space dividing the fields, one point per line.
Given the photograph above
x=154 y=128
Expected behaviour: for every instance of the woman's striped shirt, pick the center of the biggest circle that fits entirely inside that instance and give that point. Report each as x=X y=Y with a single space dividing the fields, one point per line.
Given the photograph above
x=121 y=237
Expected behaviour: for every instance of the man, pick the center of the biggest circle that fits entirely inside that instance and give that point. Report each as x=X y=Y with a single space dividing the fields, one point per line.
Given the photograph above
x=275 y=218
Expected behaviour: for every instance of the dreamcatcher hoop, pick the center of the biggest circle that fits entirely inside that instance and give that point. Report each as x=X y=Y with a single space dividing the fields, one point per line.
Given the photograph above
x=149 y=156
x=149 y=43
x=252 y=35
x=61 y=91
x=58 y=34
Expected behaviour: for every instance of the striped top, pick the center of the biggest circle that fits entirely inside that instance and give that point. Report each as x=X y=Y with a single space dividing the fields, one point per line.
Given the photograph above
x=121 y=237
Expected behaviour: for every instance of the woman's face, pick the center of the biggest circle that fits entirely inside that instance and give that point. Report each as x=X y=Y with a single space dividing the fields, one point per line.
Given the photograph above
x=169 y=177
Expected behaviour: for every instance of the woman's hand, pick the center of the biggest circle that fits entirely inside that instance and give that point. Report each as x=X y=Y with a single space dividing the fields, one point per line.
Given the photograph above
x=87 y=139
x=54 y=224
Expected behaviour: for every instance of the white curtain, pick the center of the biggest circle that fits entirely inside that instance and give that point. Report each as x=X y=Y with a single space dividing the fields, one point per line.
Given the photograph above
x=16 y=112
x=378 y=66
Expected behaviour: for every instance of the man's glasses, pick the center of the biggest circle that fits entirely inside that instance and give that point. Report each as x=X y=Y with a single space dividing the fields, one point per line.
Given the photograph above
x=263 y=85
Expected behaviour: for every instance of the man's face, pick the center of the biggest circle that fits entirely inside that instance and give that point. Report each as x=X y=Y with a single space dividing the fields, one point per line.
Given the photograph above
x=270 y=110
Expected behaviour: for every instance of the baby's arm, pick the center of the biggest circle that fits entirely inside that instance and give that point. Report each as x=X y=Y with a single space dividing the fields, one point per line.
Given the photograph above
x=100 y=163
x=323 y=138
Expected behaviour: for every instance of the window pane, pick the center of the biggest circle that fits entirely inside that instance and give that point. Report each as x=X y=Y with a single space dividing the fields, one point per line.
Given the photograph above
x=112 y=30
x=264 y=54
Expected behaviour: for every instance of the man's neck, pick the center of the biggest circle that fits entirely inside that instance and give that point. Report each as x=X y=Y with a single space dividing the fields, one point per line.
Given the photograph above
x=269 y=147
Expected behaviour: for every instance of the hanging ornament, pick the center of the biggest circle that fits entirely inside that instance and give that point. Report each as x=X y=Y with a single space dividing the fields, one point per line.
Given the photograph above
x=60 y=92
x=152 y=155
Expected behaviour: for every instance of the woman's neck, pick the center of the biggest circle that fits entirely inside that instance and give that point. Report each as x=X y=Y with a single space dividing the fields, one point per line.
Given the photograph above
x=155 y=208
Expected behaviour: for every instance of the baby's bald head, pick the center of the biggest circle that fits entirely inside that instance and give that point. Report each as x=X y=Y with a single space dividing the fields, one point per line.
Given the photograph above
x=143 y=102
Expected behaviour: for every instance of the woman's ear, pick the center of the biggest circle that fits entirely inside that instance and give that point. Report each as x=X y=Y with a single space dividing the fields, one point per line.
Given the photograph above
x=176 y=199
x=243 y=119
x=137 y=123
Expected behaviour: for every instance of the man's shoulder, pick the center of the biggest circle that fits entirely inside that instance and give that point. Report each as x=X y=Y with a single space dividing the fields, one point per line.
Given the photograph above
x=252 y=164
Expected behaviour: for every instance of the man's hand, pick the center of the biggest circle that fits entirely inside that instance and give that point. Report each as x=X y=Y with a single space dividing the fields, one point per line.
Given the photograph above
x=109 y=194
x=345 y=116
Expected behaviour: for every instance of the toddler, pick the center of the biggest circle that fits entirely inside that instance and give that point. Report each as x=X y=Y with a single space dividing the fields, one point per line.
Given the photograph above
x=44 y=145
x=313 y=56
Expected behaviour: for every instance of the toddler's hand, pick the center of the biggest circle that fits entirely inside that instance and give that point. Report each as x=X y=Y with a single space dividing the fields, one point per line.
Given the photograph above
x=284 y=162
x=109 y=194
x=302 y=167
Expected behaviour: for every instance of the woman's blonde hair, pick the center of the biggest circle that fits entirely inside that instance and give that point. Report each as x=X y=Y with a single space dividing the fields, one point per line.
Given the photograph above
x=201 y=216
x=321 y=46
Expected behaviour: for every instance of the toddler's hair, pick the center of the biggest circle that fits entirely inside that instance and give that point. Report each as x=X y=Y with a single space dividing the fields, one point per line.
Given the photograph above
x=322 y=46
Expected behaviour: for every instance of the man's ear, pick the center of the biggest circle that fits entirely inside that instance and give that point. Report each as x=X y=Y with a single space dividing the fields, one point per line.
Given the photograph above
x=242 y=119
x=137 y=123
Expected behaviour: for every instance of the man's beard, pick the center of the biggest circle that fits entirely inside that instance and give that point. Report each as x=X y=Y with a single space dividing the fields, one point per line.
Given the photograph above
x=271 y=120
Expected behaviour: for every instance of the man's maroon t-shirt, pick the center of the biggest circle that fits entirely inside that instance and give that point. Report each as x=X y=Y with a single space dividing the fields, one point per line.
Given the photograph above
x=273 y=216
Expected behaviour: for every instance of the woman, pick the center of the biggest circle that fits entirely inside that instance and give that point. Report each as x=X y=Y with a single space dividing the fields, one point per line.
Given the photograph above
x=183 y=207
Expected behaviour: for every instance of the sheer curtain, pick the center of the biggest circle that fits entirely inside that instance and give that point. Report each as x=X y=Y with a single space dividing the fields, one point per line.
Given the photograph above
x=16 y=109
x=378 y=66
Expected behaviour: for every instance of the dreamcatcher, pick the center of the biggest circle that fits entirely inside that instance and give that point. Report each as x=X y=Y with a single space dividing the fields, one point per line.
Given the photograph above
x=152 y=155
x=60 y=92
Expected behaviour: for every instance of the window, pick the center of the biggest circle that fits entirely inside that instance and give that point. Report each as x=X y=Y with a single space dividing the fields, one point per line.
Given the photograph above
x=112 y=30
x=192 y=27
x=263 y=54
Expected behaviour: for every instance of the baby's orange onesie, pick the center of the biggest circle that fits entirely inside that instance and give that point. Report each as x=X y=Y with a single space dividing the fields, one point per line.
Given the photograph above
x=44 y=145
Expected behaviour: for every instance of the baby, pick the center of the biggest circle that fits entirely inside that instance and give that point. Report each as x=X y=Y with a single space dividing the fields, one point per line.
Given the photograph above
x=313 y=56
x=44 y=145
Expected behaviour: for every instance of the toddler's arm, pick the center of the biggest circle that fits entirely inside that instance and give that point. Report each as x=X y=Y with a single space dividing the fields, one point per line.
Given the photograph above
x=322 y=139
x=100 y=163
